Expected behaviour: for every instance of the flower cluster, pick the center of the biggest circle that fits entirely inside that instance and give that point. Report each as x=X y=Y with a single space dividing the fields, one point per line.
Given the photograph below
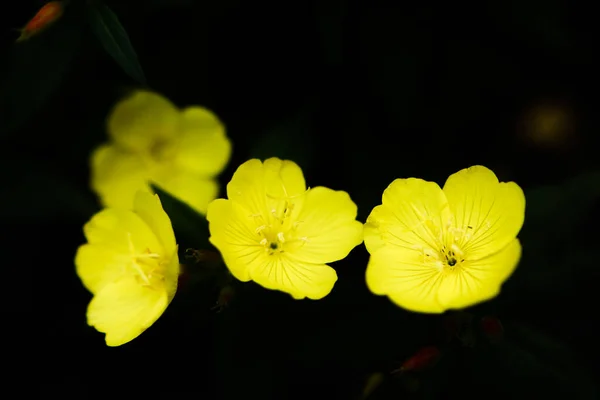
x=431 y=249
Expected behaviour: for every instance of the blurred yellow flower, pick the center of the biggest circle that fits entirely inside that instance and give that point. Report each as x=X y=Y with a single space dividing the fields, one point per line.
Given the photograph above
x=274 y=231
x=182 y=151
x=433 y=249
x=130 y=265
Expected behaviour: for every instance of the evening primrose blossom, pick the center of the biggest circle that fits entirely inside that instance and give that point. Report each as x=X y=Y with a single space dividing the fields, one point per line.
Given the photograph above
x=436 y=249
x=276 y=232
x=182 y=151
x=130 y=265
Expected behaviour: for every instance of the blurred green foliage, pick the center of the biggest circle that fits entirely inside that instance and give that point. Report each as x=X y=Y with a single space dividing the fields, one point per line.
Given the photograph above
x=114 y=38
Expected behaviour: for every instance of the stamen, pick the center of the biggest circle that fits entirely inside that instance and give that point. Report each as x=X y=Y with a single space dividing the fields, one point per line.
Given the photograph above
x=280 y=237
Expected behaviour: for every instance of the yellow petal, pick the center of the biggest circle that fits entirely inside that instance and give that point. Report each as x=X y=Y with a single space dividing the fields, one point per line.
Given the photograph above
x=403 y=276
x=489 y=214
x=480 y=280
x=414 y=215
x=202 y=148
x=143 y=121
x=195 y=190
x=99 y=265
x=299 y=279
x=125 y=309
x=123 y=231
x=283 y=179
x=172 y=271
x=233 y=234
x=117 y=175
x=150 y=209
x=327 y=220
x=247 y=187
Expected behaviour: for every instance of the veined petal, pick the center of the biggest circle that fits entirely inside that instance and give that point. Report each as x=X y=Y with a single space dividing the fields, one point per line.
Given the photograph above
x=232 y=233
x=195 y=190
x=477 y=281
x=150 y=209
x=327 y=223
x=247 y=187
x=283 y=179
x=403 y=275
x=203 y=148
x=124 y=309
x=142 y=121
x=116 y=176
x=414 y=215
x=99 y=265
x=297 y=278
x=488 y=214
x=122 y=230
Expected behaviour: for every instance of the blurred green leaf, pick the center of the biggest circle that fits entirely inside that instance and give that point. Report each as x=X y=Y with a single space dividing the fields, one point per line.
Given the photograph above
x=35 y=68
x=528 y=355
x=114 y=38
x=191 y=228
x=555 y=252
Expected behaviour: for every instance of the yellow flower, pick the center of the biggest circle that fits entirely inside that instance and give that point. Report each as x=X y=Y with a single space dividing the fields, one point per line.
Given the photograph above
x=152 y=141
x=433 y=249
x=274 y=231
x=130 y=265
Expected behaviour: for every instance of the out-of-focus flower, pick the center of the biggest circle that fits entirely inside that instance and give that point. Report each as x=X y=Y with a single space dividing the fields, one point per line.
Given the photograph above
x=130 y=265
x=433 y=249
x=182 y=151
x=549 y=124
x=274 y=231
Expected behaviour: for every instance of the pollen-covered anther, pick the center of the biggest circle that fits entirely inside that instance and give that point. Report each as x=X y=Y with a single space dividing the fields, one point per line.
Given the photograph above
x=281 y=237
x=261 y=228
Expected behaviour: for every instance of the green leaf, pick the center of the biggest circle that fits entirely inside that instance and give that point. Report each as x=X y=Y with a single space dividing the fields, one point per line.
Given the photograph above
x=114 y=38
x=191 y=228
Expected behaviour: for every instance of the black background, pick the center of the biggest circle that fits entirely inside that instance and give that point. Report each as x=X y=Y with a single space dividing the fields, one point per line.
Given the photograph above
x=358 y=93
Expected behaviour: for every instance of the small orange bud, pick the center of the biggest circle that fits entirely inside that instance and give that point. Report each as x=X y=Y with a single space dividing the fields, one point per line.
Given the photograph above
x=46 y=16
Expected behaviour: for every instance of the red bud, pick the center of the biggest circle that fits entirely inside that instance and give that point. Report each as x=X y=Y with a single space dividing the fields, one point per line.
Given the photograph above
x=424 y=358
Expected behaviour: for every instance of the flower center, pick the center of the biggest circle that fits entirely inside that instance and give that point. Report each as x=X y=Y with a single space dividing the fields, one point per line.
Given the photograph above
x=451 y=255
x=147 y=267
x=162 y=150
x=276 y=231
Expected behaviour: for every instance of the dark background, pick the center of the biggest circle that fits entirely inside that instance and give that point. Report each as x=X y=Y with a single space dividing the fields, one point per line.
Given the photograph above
x=358 y=93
